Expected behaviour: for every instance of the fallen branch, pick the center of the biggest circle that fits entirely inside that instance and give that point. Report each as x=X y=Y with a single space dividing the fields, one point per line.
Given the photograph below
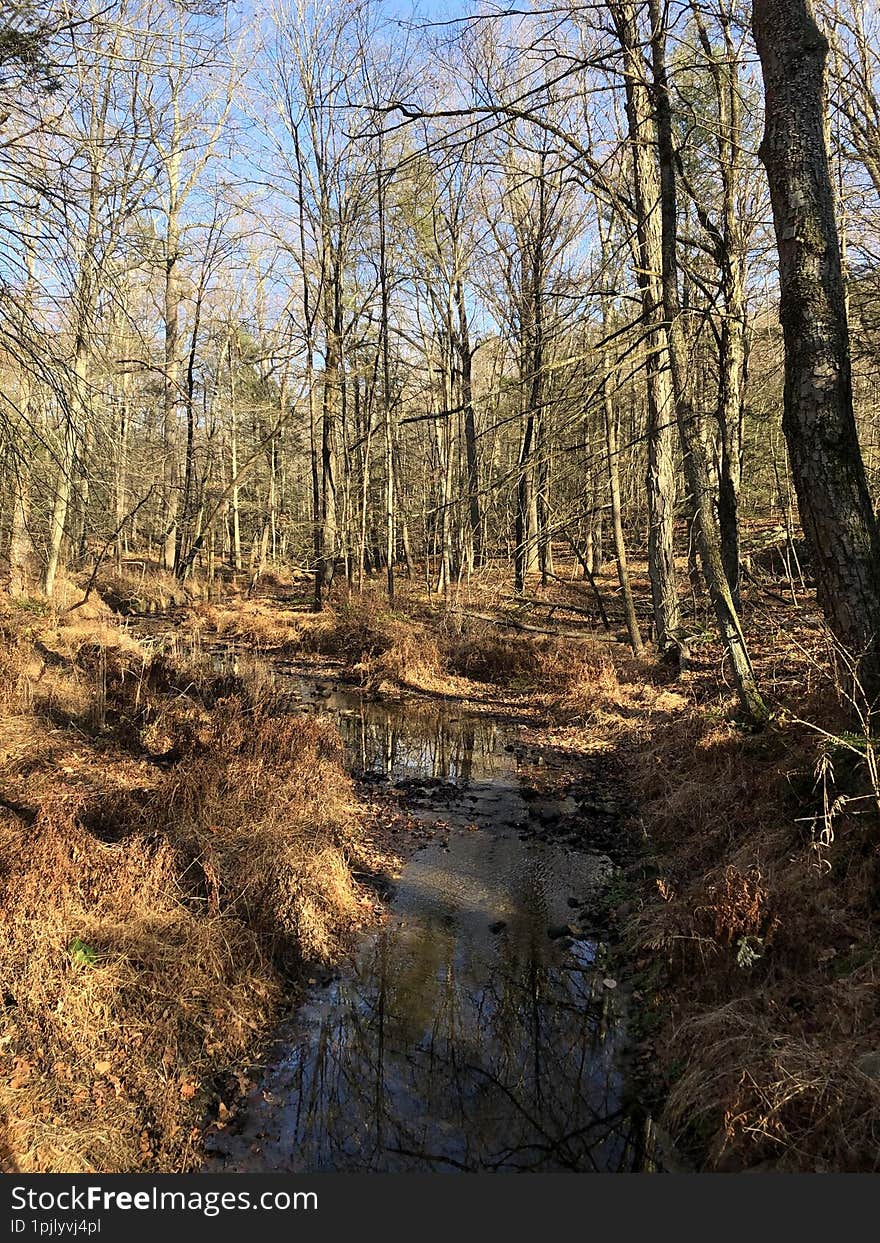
x=589 y=573
x=553 y=605
x=517 y=625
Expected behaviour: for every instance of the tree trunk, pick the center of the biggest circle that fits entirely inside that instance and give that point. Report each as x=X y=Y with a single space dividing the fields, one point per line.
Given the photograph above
x=233 y=460
x=20 y=546
x=835 y=507
x=660 y=479
x=629 y=608
x=731 y=254
x=329 y=419
x=171 y=389
x=63 y=490
x=730 y=416
x=120 y=481
x=542 y=504
x=444 y=458
x=523 y=508
x=470 y=434
x=693 y=449
x=386 y=382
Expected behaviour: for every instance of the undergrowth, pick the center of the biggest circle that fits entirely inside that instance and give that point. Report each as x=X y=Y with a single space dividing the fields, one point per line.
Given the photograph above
x=170 y=849
x=226 y=830
x=765 y=926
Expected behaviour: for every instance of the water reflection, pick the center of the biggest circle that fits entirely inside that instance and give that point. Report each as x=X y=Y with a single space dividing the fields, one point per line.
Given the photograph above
x=449 y=1046
x=404 y=740
x=392 y=738
x=462 y=1037
x=413 y=1070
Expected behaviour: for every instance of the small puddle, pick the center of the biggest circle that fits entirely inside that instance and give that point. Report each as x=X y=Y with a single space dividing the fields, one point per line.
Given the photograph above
x=462 y=1036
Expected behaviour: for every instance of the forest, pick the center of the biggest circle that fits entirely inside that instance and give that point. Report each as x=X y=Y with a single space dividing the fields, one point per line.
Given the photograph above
x=439 y=585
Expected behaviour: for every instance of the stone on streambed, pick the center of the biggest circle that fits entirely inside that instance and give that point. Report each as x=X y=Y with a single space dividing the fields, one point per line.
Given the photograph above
x=602 y=872
x=599 y=807
x=550 y=819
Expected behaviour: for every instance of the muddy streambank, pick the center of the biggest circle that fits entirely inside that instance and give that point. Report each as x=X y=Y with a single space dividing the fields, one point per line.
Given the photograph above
x=482 y=1027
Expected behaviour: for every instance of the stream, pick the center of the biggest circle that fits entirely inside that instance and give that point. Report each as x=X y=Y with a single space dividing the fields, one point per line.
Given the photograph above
x=478 y=1029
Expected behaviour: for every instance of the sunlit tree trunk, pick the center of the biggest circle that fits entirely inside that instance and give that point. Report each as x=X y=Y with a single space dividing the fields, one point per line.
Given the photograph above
x=613 y=459
x=660 y=432
x=696 y=464
x=470 y=433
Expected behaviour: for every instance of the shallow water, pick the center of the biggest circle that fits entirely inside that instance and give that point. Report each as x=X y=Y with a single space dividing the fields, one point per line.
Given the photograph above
x=463 y=1035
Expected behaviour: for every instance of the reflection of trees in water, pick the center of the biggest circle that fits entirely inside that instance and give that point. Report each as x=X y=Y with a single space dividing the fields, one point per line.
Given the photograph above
x=389 y=738
x=446 y=1047
x=384 y=740
x=436 y=1058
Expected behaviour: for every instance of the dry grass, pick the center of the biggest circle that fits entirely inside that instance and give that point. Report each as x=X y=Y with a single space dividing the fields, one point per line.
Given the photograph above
x=152 y=902
x=582 y=684
x=758 y=933
x=448 y=651
x=262 y=624
x=118 y=998
x=485 y=653
x=262 y=811
x=141 y=587
x=759 y=1093
x=383 y=649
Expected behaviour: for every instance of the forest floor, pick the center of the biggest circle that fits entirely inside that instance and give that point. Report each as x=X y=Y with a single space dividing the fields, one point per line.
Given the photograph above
x=147 y=937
